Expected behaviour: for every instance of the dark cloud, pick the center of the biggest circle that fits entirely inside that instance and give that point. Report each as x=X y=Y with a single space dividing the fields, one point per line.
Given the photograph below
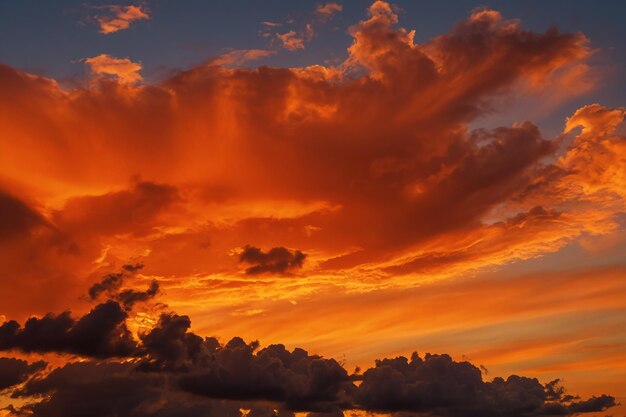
x=592 y=405
x=437 y=385
x=129 y=298
x=172 y=371
x=15 y=371
x=111 y=285
x=16 y=217
x=296 y=379
x=171 y=346
x=278 y=260
x=101 y=333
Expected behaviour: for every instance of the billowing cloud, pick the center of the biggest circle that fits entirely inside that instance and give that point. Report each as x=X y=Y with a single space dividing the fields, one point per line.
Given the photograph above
x=101 y=333
x=439 y=386
x=122 y=69
x=277 y=260
x=175 y=363
x=15 y=371
x=113 y=18
x=376 y=168
x=370 y=165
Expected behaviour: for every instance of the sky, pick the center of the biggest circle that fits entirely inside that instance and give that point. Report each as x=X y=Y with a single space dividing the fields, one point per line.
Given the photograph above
x=312 y=209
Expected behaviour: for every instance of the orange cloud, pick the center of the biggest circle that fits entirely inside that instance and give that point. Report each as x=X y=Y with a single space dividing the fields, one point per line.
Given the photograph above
x=291 y=40
x=119 y=17
x=328 y=9
x=384 y=206
x=123 y=69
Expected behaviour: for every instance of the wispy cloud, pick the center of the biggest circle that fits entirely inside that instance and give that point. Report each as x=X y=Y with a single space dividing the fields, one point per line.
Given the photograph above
x=113 y=18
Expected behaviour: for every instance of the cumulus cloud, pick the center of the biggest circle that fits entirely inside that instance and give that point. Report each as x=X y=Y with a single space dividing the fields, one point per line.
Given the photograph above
x=15 y=371
x=101 y=333
x=122 y=69
x=276 y=260
x=371 y=164
x=176 y=371
x=113 y=18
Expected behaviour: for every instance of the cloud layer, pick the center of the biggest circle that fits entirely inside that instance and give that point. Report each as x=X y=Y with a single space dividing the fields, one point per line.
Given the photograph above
x=173 y=371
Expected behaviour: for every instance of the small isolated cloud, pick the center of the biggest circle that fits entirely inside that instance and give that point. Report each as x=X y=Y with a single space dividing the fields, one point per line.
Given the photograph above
x=328 y=9
x=276 y=260
x=291 y=40
x=303 y=31
x=271 y=24
x=241 y=56
x=115 y=18
x=123 y=69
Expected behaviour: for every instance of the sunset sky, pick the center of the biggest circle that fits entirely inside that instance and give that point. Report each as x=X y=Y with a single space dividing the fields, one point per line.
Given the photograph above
x=265 y=208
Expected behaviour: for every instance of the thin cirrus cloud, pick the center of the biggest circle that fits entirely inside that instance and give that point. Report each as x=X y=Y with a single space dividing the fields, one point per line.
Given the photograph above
x=114 y=18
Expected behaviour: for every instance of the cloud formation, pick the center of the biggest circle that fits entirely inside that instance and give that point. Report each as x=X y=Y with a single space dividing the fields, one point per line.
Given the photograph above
x=276 y=260
x=176 y=371
x=15 y=371
x=113 y=18
x=370 y=164
x=374 y=167
x=101 y=333
x=328 y=9
x=122 y=69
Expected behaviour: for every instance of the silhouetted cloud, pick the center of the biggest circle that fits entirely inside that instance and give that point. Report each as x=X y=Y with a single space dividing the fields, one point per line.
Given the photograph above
x=101 y=333
x=15 y=371
x=111 y=285
x=277 y=260
x=170 y=362
x=16 y=217
x=437 y=385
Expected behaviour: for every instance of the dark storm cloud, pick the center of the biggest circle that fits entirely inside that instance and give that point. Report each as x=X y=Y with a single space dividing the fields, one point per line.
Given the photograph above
x=15 y=371
x=101 y=333
x=277 y=260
